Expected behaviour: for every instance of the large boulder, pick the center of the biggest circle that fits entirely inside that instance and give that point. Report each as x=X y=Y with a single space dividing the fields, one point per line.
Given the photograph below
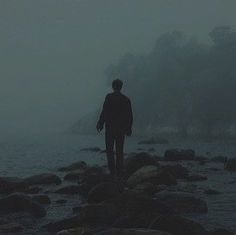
x=81 y=165
x=21 y=203
x=133 y=163
x=182 y=202
x=231 y=164
x=42 y=179
x=147 y=188
x=104 y=191
x=69 y=189
x=151 y=174
x=101 y=214
x=137 y=231
x=42 y=199
x=74 y=175
x=12 y=184
x=177 y=170
x=178 y=225
x=220 y=232
x=10 y=228
x=133 y=204
x=67 y=223
x=179 y=154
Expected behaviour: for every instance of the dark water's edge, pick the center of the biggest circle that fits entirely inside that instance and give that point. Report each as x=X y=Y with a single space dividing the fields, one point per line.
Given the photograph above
x=24 y=157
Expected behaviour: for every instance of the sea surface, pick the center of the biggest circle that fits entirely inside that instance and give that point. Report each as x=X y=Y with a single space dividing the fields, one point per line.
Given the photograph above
x=24 y=156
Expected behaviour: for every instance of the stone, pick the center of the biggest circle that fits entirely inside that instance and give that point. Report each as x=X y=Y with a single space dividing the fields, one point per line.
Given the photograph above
x=182 y=202
x=196 y=177
x=137 y=231
x=178 y=225
x=136 y=161
x=178 y=171
x=81 y=165
x=42 y=199
x=179 y=154
x=154 y=140
x=21 y=203
x=220 y=232
x=42 y=179
x=69 y=190
x=231 y=164
x=11 y=228
x=150 y=174
x=92 y=149
x=104 y=191
x=12 y=184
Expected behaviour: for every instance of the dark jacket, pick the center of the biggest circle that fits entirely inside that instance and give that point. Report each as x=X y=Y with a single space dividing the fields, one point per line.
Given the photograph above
x=116 y=113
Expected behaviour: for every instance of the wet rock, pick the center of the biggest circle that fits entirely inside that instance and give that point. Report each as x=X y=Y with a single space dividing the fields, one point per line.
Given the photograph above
x=60 y=201
x=178 y=225
x=12 y=184
x=104 y=191
x=221 y=159
x=150 y=174
x=138 y=231
x=133 y=204
x=196 y=177
x=101 y=214
x=135 y=162
x=21 y=203
x=33 y=190
x=220 y=232
x=92 y=149
x=42 y=199
x=178 y=171
x=182 y=202
x=146 y=188
x=11 y=228
x=231 y=164
x=77 y=231
x=179 y=154
x=74 y=175
x=67 y=223
x=81 y=165
x=69 y=189
x=42 y=179
x=154 y=140
x=211 y=192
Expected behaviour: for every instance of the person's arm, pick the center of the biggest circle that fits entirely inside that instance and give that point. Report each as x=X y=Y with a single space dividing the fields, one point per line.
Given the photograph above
x=130 y=119
x=101 y=120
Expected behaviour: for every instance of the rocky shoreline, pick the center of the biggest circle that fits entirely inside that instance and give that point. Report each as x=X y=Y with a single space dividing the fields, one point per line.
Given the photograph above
x=148 y=200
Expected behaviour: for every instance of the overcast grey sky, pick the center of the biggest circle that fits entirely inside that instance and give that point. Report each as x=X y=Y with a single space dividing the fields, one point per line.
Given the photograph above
x=53 y=52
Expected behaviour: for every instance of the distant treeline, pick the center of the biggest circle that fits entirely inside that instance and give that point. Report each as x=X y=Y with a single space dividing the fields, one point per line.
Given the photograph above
x=182 y=84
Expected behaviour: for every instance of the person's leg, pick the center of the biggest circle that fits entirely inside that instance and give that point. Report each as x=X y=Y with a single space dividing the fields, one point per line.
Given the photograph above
x=109 y=138
x=119 y=153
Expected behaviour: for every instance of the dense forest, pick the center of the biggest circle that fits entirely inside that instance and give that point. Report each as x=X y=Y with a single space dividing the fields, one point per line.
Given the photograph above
x=182 y=85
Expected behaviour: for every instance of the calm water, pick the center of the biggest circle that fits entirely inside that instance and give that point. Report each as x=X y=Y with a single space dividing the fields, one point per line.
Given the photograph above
x=24 y=156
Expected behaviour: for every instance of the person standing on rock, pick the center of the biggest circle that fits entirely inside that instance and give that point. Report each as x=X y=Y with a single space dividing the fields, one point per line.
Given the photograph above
x=118 y=119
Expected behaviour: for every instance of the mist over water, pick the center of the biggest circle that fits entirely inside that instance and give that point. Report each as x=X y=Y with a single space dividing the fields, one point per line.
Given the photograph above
x=54 y=53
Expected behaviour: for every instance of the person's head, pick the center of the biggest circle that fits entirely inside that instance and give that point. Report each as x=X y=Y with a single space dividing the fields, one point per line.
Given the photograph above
x=117 y=85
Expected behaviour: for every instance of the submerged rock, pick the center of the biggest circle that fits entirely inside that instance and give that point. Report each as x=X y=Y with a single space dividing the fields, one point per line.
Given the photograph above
x=41 y=179
x=21 y=203
x=135 y=162
x=183 y=202
x=81 y=165
x=151 y=174
x=92 y=149
x=12 y=184
x=196 y=177
x=178 y=225
x=69 y=189
x=179 y=154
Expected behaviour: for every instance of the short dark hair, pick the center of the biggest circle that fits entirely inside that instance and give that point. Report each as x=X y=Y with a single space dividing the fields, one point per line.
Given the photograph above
x=117 y=84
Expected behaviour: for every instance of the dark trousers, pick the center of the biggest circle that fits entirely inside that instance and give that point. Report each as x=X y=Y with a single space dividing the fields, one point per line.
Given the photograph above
x=115 y=164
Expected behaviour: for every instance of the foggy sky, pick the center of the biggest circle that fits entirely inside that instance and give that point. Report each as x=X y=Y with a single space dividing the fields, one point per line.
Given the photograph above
x=53 y=52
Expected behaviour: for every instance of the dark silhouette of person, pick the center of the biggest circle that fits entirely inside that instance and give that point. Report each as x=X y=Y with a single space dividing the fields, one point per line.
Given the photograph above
x=118 y=118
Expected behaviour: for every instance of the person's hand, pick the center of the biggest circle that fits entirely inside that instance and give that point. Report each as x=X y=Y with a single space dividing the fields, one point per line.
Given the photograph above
x=129 y=132
x=99 y=127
